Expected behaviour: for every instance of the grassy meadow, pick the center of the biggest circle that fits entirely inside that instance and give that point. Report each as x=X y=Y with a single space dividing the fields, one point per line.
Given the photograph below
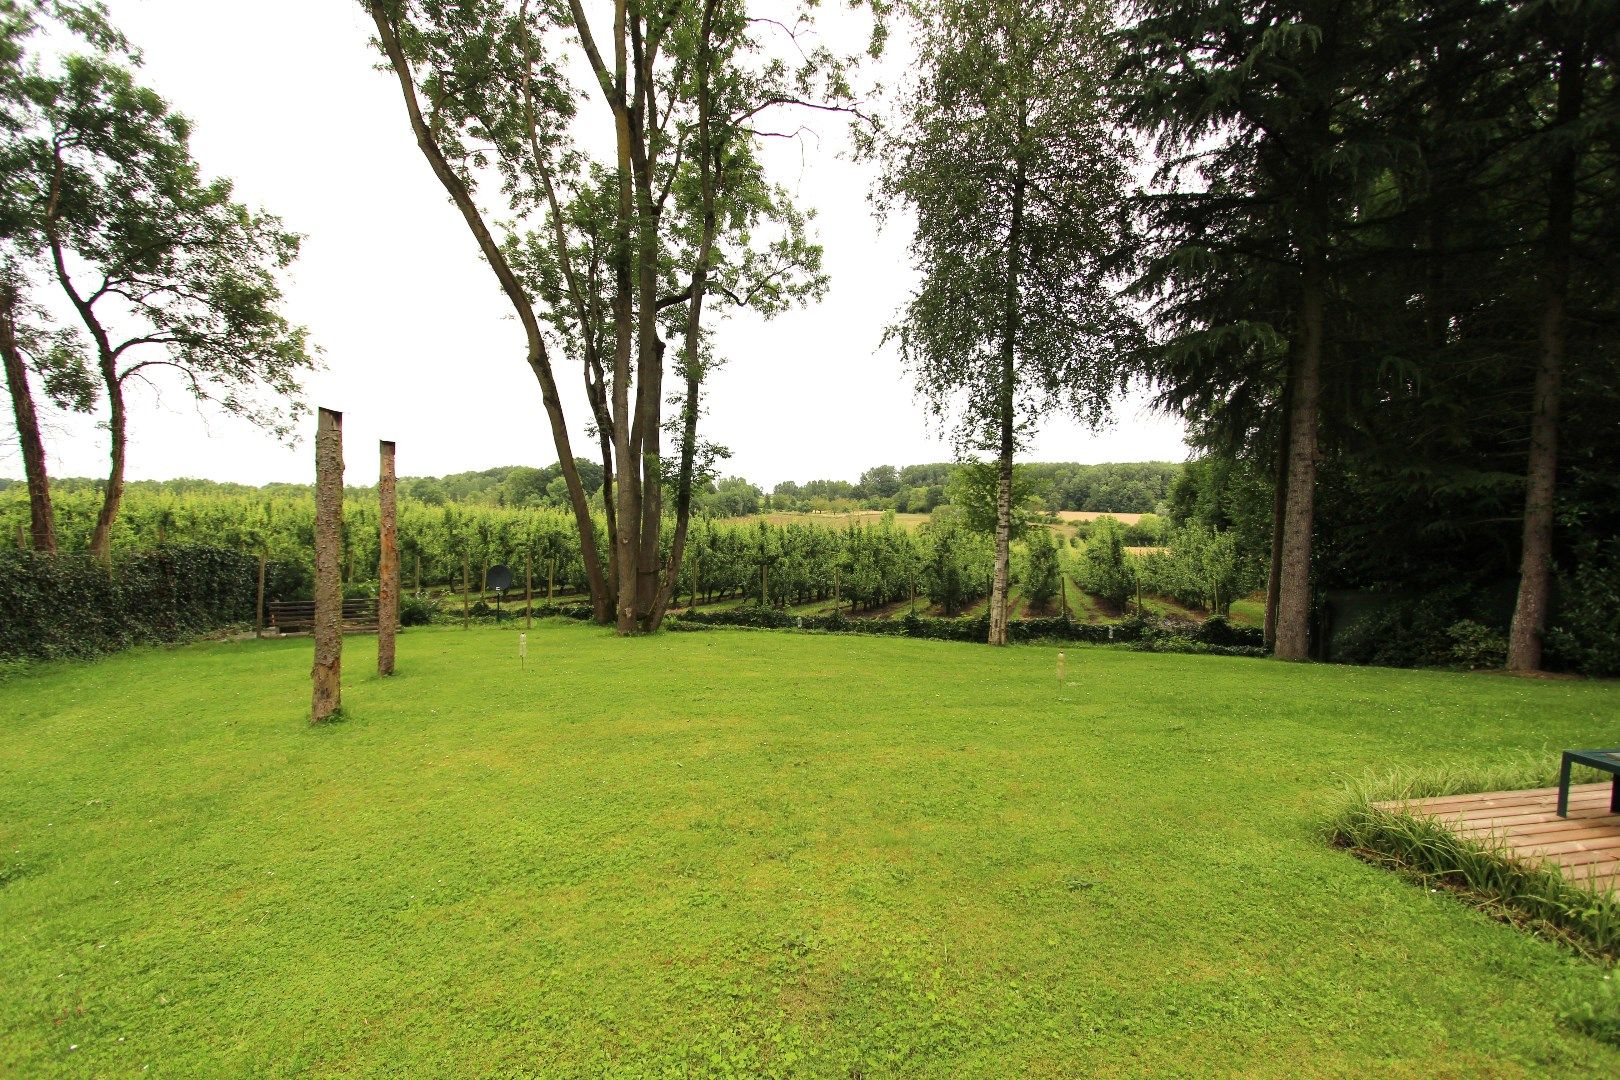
x=751 y=854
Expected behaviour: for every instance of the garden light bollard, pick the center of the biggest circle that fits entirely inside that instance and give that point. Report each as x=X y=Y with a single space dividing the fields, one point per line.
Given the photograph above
x=523 y=650
x=1063 y=668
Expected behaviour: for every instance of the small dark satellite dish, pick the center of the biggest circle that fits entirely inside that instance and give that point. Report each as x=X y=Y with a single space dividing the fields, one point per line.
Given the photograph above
x=500 y=578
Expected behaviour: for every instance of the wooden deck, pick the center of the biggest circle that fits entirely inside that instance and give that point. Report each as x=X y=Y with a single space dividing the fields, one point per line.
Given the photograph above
x=1585 y=845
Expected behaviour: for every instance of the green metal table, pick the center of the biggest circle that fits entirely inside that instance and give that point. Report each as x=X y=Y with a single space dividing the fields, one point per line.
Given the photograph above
x=1605 y=760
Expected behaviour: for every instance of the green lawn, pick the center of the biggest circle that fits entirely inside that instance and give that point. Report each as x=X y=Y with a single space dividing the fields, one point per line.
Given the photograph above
x=750 y=854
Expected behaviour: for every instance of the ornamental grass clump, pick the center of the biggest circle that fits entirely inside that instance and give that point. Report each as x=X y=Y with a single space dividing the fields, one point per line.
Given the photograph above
x=1483 y=872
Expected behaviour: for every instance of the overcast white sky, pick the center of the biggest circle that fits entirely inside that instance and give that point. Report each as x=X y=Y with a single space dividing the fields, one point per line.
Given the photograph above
x=420 y=346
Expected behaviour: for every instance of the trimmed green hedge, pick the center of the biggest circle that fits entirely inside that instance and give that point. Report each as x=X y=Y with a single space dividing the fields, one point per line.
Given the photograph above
x=73 y=606
x=1214 y=636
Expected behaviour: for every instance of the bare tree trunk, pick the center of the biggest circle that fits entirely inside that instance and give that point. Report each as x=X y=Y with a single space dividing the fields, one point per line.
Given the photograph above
x=1006 y=407
x=1541 y=476
x=1294 y=586
x=387 y=562
x=117 y=438
x=327 y=672
x=42 y=519
x=1279 y=510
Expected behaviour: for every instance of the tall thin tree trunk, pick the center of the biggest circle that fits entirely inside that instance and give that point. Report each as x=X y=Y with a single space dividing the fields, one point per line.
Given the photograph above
x=1541 y=475
x=1006 y=406
x=117 y=439
x=387 y=561
x=1279 y=510
x=1294 y=586
x=683 y=493
x=328 y=669
x=42 y=519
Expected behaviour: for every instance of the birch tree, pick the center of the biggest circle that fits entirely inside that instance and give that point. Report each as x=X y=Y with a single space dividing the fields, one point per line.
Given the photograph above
x=1005 y=153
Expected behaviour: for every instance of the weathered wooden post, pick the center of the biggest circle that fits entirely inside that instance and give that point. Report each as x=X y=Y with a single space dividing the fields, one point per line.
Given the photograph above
x=258 y=612
x=528 y=590
x=1063 y=587
x=328 y=670
x=551 y=578
x=387 y=561
x=466 y=587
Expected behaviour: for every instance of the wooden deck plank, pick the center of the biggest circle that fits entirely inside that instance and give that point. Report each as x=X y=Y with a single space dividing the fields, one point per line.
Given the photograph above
x=1584 y=847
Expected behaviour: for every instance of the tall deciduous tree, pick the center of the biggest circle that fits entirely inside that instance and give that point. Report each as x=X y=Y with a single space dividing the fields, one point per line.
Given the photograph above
x=26 y=336
x=163 y=268
x=609 y=259
x=1007 y=156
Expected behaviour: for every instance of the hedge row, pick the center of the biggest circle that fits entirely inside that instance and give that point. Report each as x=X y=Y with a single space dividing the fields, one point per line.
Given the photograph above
x=73 y=606
x=1216 y=635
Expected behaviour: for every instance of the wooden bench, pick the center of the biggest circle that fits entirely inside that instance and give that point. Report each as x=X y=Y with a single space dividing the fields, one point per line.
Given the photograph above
x=298 y=616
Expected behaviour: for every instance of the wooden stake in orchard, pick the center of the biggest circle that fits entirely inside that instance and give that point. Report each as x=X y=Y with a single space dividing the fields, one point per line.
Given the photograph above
x=387 y=562
x=328 y=670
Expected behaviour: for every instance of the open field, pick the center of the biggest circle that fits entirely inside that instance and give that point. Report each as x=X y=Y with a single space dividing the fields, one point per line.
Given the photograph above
x=851 y=857
x=1093 y=515
x=831 y=520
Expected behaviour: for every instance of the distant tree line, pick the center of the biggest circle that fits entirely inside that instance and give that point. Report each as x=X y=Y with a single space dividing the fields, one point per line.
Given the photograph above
x=1115 y=488
x=1111 y=487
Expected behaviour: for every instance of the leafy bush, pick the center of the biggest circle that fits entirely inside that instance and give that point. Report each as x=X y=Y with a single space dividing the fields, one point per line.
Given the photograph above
x=1230 y=641
x=1041 y=568
x=1584 y=635
x=73 y=606
x=1474 y=645
x=1405 y=633
x=1103 y=568
x=416 y=610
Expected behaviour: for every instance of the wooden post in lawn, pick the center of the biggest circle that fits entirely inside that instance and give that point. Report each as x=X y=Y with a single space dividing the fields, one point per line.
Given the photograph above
x=258 y=611
x=466 y=587
x=387 y=560
x=328 y=670
x=551 y=578
x=1063 y=587
x=528 y=589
